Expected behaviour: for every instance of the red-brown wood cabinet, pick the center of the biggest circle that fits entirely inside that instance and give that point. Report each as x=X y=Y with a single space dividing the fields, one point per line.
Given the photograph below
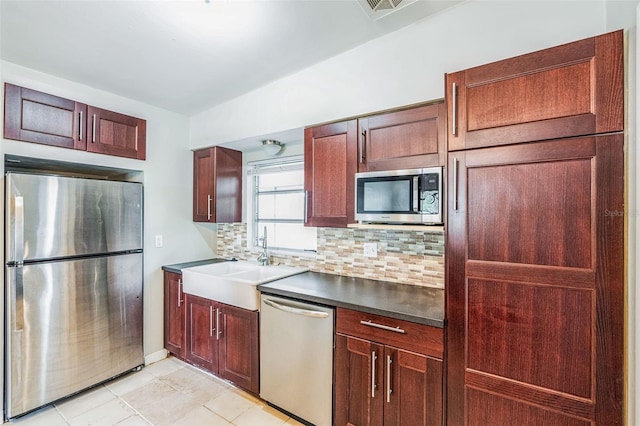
x=404 y=139
x=116 y=134
x=223 y=339
x=220 y=338
x=386 y=376
x=174 y=315
x=217 y=185
x=330 y=164
x=535 y=240
x=575 y=89
x=33 y=116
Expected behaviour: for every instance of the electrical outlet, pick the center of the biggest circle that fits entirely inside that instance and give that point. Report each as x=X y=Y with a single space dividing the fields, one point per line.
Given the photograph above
x=371 y=249
x=238 y=240
x=159 y=242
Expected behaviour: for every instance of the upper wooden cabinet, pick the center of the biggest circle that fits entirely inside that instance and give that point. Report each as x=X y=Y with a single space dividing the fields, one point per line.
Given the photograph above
x=570 y=90
x=403 y=139
x=217 y=185
x=33 y=116
x=330 y=164
x=116 y=134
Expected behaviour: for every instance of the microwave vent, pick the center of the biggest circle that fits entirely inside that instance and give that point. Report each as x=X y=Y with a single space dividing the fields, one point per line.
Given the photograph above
x=378 y=8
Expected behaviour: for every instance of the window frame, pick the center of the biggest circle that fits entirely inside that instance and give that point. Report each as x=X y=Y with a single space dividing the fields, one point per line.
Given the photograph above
x=254 y=168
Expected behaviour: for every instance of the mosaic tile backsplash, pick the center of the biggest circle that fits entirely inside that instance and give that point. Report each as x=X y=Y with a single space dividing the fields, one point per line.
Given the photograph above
x=407 y=257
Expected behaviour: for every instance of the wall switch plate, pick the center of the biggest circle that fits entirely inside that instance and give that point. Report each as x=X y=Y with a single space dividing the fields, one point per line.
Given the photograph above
x=159 y=241
x=371 y=249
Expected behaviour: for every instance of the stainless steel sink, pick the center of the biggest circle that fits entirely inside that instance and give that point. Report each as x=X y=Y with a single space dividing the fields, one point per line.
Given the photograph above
x=233 y=283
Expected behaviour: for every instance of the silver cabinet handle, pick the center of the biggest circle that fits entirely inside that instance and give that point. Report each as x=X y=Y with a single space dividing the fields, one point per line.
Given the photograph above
x=382 y=326
x=455 y=184
x=389 y=390
x=211 y=329
x=93 y=129
x=80 y=124
x=306 y=205
x=454 y=108
x=374 y=357
x=208 y=207
x=179 y=291
x=363 y=146
x=218 y=324
x=297 y=311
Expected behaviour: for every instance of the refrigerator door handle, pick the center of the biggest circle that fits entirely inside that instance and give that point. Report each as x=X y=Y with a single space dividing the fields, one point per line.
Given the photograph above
x=14 y=275
x=18 y=230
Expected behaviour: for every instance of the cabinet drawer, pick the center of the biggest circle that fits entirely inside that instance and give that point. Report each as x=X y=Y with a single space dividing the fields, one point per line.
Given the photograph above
x=407 y=335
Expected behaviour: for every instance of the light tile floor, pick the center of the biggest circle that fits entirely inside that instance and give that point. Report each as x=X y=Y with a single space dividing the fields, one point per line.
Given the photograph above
x=168 y=392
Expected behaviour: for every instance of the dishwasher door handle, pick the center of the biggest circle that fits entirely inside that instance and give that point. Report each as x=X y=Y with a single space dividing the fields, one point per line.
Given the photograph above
x=297 y=311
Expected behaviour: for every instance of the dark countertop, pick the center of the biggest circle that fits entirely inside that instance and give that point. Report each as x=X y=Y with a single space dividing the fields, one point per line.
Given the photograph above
x=178 y=267
x=424 y=305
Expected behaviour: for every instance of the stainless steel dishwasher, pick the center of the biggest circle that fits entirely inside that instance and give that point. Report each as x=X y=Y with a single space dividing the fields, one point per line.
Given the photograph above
x=296 y=357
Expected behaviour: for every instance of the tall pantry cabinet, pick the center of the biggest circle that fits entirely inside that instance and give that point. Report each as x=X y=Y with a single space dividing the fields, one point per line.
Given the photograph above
x=535 y=238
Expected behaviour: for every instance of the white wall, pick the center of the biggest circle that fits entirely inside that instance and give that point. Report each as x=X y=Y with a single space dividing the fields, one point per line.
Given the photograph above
x=402 y=68
x=168 y=181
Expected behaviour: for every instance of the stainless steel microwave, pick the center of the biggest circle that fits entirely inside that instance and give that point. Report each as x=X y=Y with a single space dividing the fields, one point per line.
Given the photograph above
x=400 y=196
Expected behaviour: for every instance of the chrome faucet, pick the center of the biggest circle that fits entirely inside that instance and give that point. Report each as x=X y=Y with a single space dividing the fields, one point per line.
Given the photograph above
x=264 y=256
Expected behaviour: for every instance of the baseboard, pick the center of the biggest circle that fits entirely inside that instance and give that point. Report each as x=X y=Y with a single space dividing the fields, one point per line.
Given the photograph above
x=155 y=357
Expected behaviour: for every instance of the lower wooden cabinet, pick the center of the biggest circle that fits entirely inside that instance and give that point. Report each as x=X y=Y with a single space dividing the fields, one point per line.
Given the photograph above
x=174 y=315
x=223 y=339
x=387 y=371
x=220 y=338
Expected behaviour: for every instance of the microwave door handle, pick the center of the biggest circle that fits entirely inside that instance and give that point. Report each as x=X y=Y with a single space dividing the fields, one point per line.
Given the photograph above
x=416 y=193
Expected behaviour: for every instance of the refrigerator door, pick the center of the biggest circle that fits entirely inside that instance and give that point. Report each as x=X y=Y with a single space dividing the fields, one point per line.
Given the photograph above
x=52 y=217
x=70 y=325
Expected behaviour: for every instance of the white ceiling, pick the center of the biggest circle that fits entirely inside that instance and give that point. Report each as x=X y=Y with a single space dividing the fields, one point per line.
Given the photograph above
x=187 y=55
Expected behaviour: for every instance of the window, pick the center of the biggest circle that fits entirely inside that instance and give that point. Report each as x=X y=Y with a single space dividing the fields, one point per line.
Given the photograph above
x=276 y=200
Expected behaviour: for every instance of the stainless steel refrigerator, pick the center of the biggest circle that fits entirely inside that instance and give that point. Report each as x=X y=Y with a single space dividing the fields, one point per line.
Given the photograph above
x=73 y=286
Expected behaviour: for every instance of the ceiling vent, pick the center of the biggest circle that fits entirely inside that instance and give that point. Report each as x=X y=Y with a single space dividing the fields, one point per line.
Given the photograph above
x=378 y=8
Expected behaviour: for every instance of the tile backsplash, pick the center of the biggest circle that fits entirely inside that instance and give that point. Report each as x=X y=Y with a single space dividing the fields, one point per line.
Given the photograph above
x=408 y=257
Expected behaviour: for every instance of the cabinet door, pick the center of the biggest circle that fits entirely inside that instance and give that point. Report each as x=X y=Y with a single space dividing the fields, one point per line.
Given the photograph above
x=217 y=185
x=412 y=389
x=535 y=288
x=203 y=185
x=33 y=116
x=359 y=382
x=238 y=347
x=116 y=134
x=330 y=163
x=228 y=185
x=405 y=139
x=571 y=90
x=202 y=349
x=174 y=315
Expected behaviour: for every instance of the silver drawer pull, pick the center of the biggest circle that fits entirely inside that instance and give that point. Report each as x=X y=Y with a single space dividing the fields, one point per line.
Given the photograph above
x=384 y=327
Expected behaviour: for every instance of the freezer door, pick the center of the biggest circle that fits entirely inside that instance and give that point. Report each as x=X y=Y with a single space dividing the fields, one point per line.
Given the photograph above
x=55 y=217
x=70 y=325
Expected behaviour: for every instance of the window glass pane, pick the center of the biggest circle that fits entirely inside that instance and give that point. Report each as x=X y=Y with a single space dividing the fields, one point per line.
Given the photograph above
x=280 y=181
x=281 y=206
x=289 y=235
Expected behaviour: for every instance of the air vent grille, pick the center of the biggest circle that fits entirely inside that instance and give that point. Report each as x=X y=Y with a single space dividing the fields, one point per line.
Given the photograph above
x=383 y=4
x=378 y=8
